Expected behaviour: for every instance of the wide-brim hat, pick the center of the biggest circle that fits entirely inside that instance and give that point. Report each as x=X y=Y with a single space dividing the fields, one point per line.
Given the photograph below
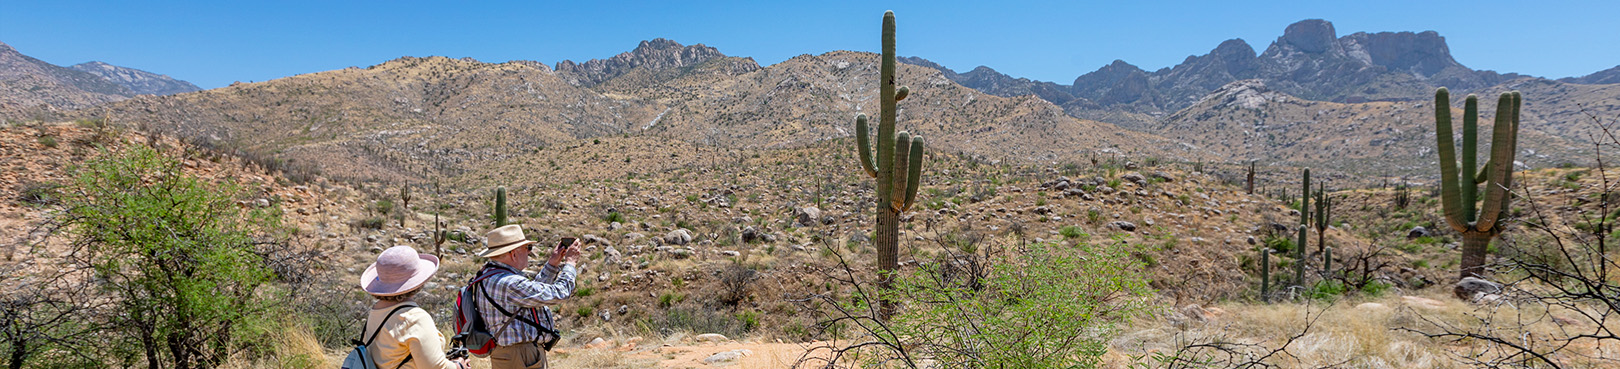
x=398 y=270
x=503 y=240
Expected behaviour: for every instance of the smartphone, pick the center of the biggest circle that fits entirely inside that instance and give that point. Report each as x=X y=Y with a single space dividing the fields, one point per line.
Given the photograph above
x=566 y=241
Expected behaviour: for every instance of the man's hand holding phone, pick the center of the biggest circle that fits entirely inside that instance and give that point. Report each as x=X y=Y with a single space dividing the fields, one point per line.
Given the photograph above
x=567 y=251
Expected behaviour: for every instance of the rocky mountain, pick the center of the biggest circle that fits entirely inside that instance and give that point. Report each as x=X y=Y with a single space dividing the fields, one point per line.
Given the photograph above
x=1606 y=76
x=656 y=54
x=408 y=118
x=30 y=86
x=992 y=82
x=136 y=80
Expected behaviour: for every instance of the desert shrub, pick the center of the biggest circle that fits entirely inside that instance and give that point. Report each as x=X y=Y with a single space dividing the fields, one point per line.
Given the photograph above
x=185 y=266
x=39 y=193
x=47 y=141
x=1072 y=232
x=734 y=283
x=1044 y=306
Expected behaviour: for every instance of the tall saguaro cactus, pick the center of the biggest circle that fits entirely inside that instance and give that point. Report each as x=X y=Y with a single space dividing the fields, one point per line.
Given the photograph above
x=1304 y=225
x=1324 y=206
x=1459 y=187
x=897 y=165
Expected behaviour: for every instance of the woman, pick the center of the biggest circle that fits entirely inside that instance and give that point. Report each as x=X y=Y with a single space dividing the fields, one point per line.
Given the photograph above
x=402 y=335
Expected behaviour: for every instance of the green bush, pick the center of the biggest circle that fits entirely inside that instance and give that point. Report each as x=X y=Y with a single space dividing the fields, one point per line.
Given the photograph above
x=1050 y=306
x=1072 y=232
x=187 y=268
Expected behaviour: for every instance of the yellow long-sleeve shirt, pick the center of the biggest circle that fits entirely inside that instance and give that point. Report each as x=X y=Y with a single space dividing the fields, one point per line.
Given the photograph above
x=409 y=332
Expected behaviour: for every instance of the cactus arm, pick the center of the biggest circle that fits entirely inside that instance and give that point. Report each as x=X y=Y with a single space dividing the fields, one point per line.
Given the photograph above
x=1480 y=177
x=1501 y=153
x=1450 y=199
x=863 y=139
x=1469 y=189
x=902 y=152
x=902 y=93
x=914 y=175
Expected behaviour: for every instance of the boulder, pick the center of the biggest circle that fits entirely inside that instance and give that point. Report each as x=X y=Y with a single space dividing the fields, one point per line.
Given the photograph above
x=1472 y=289
x=1418 y=231
x=808 y=215
x=727 y=356
x=1134 y=177
x=749 y=234
x=678 y=237
x=1123 y=226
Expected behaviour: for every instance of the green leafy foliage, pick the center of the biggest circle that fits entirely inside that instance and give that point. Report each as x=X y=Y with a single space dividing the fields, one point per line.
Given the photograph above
x=186 y=265
x=1045 y=306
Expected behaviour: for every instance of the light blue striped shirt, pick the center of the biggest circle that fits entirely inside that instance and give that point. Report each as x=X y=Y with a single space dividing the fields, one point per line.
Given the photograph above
x=529 y=298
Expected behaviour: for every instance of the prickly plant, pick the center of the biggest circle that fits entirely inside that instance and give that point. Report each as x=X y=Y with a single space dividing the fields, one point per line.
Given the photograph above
x=1250 y=185
x=1304 y=225
x=1327 y=262
x=500 y=206
x=1324 y=206
x=897 y=164
x=1265 y=274
x=1460 y=186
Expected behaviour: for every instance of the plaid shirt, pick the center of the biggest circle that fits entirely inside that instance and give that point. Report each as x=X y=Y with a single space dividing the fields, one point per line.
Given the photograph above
x=522 y=296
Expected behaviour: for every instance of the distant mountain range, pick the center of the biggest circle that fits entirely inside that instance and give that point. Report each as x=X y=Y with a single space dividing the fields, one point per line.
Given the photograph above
x=30 y=86
x=1308 y=61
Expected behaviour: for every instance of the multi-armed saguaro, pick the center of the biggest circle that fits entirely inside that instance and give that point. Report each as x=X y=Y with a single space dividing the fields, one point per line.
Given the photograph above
x=1459 y=187
x=897 y=167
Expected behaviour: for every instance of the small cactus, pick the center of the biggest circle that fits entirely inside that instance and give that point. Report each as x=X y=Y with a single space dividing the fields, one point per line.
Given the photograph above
x=1324 y=206
x=1265 y=274
x=500 y=206
x=1249 y=186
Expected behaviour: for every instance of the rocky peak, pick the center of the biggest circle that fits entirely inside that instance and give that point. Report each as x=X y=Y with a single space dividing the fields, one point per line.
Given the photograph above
x=138 y=81
x=656 y=54
x=1313 y=36
x=1424 y=53
x=1097 y=84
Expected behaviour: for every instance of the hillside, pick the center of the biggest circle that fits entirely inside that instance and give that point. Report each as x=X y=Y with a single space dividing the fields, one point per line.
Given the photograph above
x=30 y=87
x=424 y=118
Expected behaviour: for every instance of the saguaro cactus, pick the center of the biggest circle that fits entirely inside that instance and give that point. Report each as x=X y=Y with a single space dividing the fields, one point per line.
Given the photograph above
x=1249 y=186
x=500 y=206
x=1304 y=225
x=1324 y=206
x=1265 y=274
x=1459 y=187
x=897 y=165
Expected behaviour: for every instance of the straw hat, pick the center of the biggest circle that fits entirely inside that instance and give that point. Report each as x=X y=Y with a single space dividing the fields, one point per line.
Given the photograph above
x=398 y=270
x=504 y=239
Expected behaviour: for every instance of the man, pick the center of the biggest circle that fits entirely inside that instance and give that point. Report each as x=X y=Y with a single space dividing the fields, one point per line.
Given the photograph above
x=526 y=323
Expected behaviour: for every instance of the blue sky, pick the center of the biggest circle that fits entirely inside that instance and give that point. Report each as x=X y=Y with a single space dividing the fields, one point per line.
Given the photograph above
x=213 y=43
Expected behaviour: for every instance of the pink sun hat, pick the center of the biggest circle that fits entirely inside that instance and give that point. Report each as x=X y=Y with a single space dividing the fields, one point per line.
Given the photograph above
x=398 y=270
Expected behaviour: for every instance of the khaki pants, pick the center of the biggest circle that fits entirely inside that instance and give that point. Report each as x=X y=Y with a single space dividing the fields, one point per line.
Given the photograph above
x=524 y=355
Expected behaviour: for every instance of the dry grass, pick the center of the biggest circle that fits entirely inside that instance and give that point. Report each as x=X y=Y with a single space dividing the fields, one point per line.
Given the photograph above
x=1370 y=333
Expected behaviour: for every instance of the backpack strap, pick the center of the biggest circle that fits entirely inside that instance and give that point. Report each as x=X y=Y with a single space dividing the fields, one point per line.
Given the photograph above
x=374 y=334
x=508 y=314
